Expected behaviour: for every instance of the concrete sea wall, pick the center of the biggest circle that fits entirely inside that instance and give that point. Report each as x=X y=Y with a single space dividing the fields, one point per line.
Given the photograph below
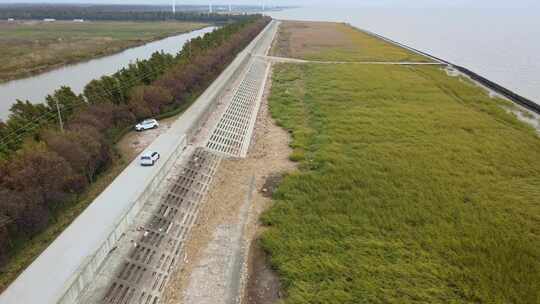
x=523 y=101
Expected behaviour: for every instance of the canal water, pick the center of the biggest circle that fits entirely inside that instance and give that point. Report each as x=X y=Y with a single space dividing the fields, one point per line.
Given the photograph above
x=76 y=76
x=499 y=40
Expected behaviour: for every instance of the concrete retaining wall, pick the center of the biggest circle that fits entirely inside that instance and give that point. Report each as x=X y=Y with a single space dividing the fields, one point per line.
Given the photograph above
x=87 y=273
x=209 y=100
x=525 y=102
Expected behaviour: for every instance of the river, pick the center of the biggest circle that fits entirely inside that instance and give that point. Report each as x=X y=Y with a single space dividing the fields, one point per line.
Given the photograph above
x=499 y=43
x=76 y=76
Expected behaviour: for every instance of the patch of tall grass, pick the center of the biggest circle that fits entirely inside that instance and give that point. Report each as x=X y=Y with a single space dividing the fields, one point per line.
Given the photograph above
x=415 y=188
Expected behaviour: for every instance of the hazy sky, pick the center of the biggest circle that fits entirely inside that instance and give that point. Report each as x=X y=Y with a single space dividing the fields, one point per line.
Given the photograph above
x=333 y=3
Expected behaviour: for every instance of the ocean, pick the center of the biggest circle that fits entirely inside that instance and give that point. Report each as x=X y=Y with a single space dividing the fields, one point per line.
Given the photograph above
x=501 y=44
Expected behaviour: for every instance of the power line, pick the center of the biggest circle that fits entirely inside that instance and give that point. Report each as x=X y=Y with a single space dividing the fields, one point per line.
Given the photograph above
x=35 y=122
x=49 y=117
x=20 y=132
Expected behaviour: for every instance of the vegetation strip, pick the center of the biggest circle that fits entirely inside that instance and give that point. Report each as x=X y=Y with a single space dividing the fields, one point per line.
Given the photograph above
x=45 y=170
x=414 y=187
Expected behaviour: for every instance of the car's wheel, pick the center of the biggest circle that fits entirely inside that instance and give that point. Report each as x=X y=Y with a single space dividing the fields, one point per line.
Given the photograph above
x=155 y=127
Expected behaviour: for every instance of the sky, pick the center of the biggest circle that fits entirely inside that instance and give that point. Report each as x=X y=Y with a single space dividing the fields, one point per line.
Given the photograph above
x=319 y=3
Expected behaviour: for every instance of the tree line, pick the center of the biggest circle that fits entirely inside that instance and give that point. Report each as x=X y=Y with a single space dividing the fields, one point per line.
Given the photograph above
x=45 y=169
x=112 y=13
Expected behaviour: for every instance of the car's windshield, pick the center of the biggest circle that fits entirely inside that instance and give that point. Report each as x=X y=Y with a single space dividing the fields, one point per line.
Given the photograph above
x=145 y=157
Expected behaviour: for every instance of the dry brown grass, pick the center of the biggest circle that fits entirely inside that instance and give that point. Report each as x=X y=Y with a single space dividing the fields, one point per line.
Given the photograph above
x=33 y=47
x=328 y=41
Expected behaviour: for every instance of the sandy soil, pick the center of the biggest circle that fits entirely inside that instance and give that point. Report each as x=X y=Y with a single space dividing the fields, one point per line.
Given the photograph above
x=133 y=143
x=217 y=253
x=263 y=286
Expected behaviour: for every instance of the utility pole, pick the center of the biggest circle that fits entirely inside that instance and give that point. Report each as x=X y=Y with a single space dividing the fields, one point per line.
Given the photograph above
x=59 y=115
x=174 y=7
x=210 y=10
x=4 y=221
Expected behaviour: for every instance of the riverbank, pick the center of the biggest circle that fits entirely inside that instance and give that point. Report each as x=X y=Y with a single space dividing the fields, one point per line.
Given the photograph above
x=77 y=76
x=33 y=47
x=414 y=186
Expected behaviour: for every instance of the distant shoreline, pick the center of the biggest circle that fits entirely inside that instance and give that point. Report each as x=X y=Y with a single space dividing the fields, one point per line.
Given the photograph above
x=488 y=84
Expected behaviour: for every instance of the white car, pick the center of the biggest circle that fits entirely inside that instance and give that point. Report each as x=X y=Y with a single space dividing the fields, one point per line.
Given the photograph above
x=147 y=125
x=149 y=159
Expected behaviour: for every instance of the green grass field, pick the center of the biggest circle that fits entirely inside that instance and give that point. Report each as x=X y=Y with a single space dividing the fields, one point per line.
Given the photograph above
x=33 y=47
x=414 y=187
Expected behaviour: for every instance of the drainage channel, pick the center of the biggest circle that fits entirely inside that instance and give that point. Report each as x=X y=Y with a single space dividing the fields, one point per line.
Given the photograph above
x=147 y=266
x=232 y=134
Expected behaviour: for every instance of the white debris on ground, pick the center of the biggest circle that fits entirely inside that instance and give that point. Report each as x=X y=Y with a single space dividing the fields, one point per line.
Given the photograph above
x=521 y=113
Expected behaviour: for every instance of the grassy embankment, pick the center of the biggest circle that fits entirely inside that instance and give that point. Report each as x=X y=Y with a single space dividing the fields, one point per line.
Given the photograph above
x=323 y=41
x=415 y=187
x=33 y=47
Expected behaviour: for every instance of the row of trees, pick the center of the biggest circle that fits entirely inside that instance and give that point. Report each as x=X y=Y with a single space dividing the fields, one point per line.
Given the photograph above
x=27 y=119
x=51 y=168
x=114 y=13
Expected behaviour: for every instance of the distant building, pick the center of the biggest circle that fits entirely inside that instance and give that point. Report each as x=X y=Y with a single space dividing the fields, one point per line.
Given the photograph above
x=78 y=20
x=11 y=19
x=49 y=20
